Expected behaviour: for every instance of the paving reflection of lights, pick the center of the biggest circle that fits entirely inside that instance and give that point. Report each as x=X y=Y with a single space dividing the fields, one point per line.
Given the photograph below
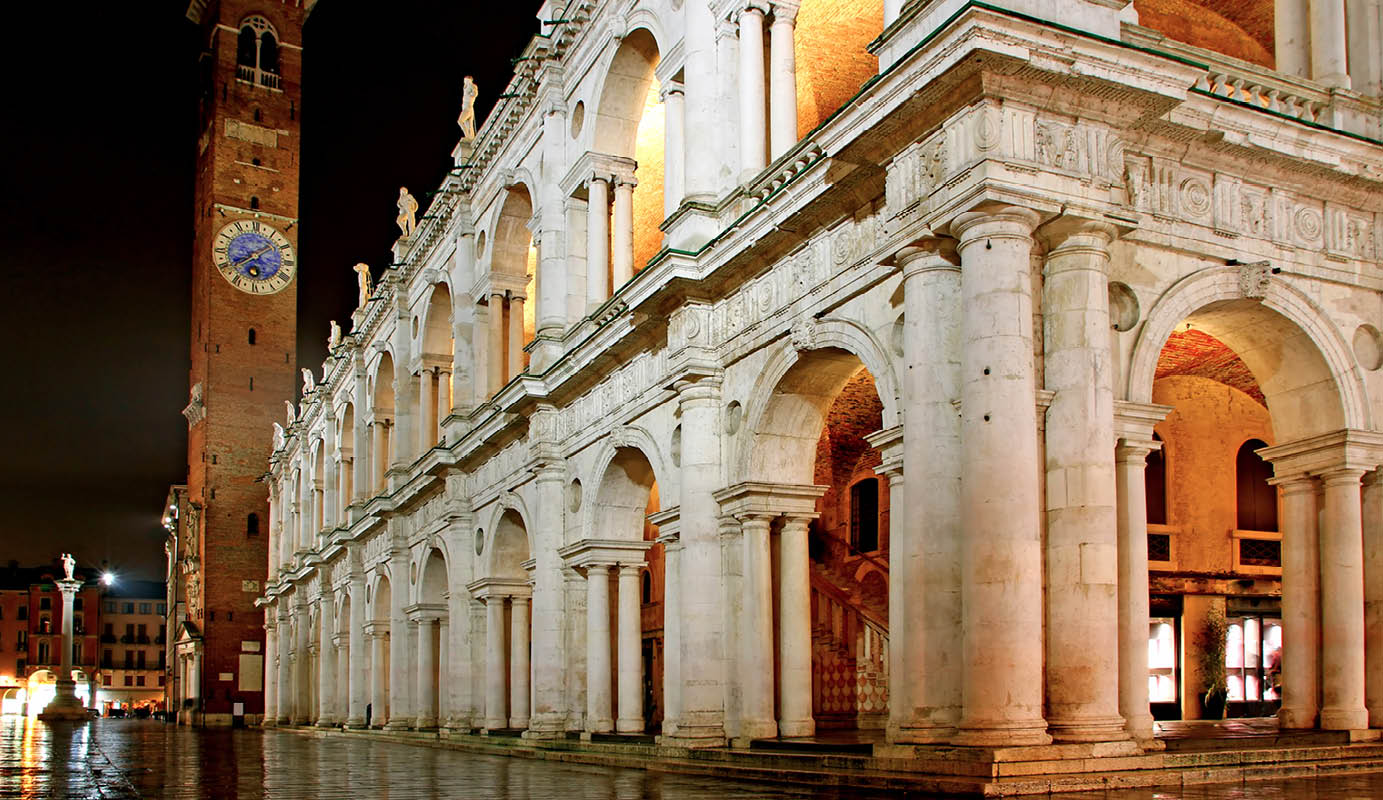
x=40 y=696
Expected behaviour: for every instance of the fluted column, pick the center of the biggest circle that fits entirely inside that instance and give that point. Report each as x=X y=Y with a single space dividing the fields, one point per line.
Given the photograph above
x=518 y=662
x=379 y=677
x=622 y=238
x=1130 y=460
x=495 y=367
x=783 y=79
x=1329 y=48
x=673 y=146
x=794 y=631
x=1082 y=532
x=597 y=242
x=326 y=664
x=1301 y=622
x=495 y=710
x=599 y=711
x=427 y=674
x=752 y=123
x=756 y=634
x=1342 y=606
x=355 y=710
x=924 y=530
x=630 y=658
x=1001 y=556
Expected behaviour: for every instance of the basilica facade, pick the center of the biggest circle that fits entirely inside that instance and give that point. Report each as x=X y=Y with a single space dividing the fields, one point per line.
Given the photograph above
x=1068 y=312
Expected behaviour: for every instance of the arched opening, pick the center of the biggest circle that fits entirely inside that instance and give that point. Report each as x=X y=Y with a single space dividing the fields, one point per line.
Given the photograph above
x=318 y=512
x=268 y=53
x=432 y=617
x=246 y=53
x=381 y=652
x=627 y=495
x=830 y=48
x=514 y=258
x=812 y=432
x=508 y=627
x=345 y=438
x=437 y=349
x=1255 y=498
x=381 y=422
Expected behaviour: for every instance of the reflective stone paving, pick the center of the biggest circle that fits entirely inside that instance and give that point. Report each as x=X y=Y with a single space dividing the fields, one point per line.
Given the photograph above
x=145 y=759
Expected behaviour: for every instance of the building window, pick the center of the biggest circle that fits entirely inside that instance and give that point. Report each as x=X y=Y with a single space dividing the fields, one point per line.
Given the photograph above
x=110 y=606
x=22 y=640
x=162 y=609
x=127 y=608
x=43 y=653
x=257 y=53
x=864 y=515
x=1257 y=499
x=139 y=680
x=76 y=604
x=647 y=587
x=252 y=525
x=129 y=659
x=160 y=680
x=76 y=652
x=1253 y=661
x=45 y=603
x=23 y=613
x=139 y=662
x=20 y=666
x=146 y=608
x=129 y=680
x=107 y=659
x=45 y=625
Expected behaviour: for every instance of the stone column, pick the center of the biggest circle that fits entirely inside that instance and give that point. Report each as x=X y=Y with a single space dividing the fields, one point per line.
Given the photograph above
x=444 y=400
x=703 y=113
x=360 y=451
x=515 y=335
x=597 y=242
x=1373 y=596
x=1329 y=50
x=1301 y=623
x=782 y=82
x=1365 y=25
x=1001 y=554
x=271 y=658
x=703 y=691
x=444 y=706
x=1342 y=605
x=341 y=700
x=379 y=454
x=427 y=674
x=65 y=704
x=302 y=694
x=925 y=534
x=1292 y=29
x=326 y=665
x=331 y=516
x=630 y=658
x=495 y=716
x=752 y=126
x=892 y=8
x=1130 y=459
x=495 y=367
x=479 y=656
x=1082 y=531
x=518 y=662
x=794 y=631
x=285 y=675
x=622 y=238
x=400 y=681
x=272 y=571
x=427 y=410
x=672 y=633
x=546 y=609
x=379 y=699
x=756 y=632
x=599 y=713
x=674 y=109
x=355 y=713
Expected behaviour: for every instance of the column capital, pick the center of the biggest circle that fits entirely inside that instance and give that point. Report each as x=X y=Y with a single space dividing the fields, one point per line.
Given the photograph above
x=1130 y=450
x=785 y=11
x=1077 y=231
x=994 y=222
x=1341 y=475
x=759 y=7
x=927 y=254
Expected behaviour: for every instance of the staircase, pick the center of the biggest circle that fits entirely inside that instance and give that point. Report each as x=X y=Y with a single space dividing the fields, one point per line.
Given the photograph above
x=849 y=648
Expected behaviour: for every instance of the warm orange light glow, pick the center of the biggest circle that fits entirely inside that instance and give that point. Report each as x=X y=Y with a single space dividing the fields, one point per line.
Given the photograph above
x=648 y=195
x=832 y=63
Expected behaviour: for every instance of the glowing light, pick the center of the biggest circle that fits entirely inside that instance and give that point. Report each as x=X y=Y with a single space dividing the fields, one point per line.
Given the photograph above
x=108 y=578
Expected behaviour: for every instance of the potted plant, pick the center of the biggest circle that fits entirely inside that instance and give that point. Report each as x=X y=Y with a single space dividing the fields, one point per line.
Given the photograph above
x=1212 y=663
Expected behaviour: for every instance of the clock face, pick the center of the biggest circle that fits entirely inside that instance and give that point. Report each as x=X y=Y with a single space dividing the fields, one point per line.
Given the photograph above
x=254 y=257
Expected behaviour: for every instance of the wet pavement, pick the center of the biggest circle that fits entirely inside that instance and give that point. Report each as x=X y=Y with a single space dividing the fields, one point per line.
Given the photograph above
x=126 y=758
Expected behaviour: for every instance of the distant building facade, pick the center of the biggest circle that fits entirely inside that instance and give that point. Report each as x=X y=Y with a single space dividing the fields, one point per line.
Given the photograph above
x=133 y=644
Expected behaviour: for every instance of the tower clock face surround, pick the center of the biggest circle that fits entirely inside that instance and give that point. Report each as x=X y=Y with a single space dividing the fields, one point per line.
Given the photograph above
x=254 y=257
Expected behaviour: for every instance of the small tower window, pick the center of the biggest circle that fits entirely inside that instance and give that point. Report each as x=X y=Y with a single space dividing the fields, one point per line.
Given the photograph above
x=257 y=53
x=254 y=203
x=252 y=525
x=252 y=336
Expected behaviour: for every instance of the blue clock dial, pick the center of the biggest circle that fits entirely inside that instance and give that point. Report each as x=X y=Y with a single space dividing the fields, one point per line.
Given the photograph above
x=254 y=256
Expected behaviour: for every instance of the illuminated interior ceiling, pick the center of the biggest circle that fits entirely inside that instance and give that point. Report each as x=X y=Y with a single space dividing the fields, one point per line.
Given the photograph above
x=648 y=195
x=1239 y=28
x=830 y=44
x=1192 y=352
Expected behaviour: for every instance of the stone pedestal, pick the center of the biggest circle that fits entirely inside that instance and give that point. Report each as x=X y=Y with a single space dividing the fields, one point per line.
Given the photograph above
x=65 y=706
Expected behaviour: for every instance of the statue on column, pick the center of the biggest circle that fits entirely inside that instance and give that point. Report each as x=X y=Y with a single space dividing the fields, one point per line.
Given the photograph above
x=362 y=274
x=334 y=338
x=408 y=208
x=309 y=382
x=467 y=118
x=68 y=564
x=291 y=411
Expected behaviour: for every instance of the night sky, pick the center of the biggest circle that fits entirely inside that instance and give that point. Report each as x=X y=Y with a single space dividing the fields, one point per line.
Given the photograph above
x=96 y=219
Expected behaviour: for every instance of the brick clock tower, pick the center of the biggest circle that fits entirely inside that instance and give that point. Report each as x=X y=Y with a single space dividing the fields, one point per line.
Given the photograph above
x=243 y=343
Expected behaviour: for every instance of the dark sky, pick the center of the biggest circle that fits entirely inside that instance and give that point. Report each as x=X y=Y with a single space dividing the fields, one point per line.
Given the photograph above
x=98 y=138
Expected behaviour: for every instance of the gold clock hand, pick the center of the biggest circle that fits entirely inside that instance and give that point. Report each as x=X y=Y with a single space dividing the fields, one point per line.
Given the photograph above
x=252 y=256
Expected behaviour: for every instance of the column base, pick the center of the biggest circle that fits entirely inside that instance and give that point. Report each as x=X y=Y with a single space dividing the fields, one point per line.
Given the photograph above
x=1102 y=729
x=495 y=724
x=920 y=733
x=1003 y=734
x=796 y=727
x=284 y=720
x=1140 y=729
x=1296 y=718
x=695 y=737
x=599 y=725
x=65 y=705
x=1344 y=719
x=425 y=725
x=518 y=723
x=355 y=723
x=629 y=725
x=758 y=729
x=401 y=724
x=326 y=723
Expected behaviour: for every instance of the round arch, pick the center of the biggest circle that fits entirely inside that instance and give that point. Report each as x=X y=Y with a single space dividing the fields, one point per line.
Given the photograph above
x=434 y=325
x=630 y=437
x=624 y=482
x=509 y=238
x=623 y=91
x=508 y=540
x=432 y=584
x=1305 y=368
x=381 y=599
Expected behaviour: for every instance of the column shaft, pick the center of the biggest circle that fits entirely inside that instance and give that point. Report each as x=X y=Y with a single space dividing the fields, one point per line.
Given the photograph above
x=1301 y=623
x=443 y=404
x=672 y=635
x=1292 y=27
x=752 y=127
x=518 y=663
x=355 y=712
x=1373 y=596
x=427 y=674
x=379 y=677
x=599 y=712
x=340 y=701
x=379 y=454
x=427 y=410
x=326 y=665
x=271 y=657
x=400 y=681
x=302 y=694
x=495 y=366
x=1342 y=607
x=673 y=147
x=756 y=634
x=597 y=243
x=630 y=659
x=622 y=239
x=794 y=631
x=495 y=710
x=284 y=676
x=1002 y=549
x=783 y=82
x=1329 y=50
x=1130 y=463
x=515 y=336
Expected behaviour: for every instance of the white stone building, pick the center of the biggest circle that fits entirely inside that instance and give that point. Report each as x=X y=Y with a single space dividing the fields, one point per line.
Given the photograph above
x=562 y=472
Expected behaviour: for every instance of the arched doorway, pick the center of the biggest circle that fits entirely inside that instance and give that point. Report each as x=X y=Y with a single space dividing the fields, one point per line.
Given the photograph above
x=507 y=595
x=381 y=423
x=436 y=381
x=432 y=621
x=381 y=651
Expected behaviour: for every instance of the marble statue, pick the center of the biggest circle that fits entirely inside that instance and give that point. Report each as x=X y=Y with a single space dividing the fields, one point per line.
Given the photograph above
x=408 y=209
x=292 y=413
x=467 y=118
x=309 y=382
x=280 y=438
x=362 y=272
x=334 y=338
x=68 y=564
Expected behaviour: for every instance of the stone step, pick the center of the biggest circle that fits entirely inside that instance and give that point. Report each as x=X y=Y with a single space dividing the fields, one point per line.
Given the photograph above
x=811 y=746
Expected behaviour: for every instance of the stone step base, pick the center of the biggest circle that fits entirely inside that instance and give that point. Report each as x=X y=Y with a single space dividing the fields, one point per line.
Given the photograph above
x=974 y=772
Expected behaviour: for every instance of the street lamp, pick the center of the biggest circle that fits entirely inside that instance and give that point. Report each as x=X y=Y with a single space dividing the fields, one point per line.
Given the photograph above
x=107 y=578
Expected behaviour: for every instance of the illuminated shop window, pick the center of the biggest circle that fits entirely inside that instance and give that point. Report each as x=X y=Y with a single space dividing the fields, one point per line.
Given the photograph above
x=1162 y=660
